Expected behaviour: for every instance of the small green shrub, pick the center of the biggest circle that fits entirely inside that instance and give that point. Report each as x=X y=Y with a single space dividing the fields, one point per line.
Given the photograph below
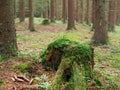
x=42 y=77
x=45 y=85
x=45 y=22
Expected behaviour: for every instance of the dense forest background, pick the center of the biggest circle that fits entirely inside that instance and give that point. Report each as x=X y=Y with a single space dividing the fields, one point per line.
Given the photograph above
x=83 y=11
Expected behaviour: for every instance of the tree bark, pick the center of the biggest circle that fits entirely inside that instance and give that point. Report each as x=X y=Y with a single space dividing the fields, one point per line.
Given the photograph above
x=52 y=17
x=118 y=12
x=112 y=15
x=101 y=22
x=31 y=16
x=22 y=11
x=64 y=13
x=8 y=44
x=78 y=10
x=93 y=14
x=87 y=15
x=71 y=23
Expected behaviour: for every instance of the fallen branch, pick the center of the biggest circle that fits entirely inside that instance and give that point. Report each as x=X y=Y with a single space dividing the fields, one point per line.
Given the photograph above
x=18 y=79
x=24 y=78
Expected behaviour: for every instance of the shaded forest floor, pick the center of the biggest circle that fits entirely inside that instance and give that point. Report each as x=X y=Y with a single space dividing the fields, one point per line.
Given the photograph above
x=31 y=45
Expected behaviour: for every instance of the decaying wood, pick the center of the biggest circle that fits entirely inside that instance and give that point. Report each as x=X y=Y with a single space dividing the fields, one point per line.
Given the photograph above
x=31 y=81
x=74 y=64
x=21 y=78
x=78 y=75
x=13 y=79
x=18 y=79
x=24 y=78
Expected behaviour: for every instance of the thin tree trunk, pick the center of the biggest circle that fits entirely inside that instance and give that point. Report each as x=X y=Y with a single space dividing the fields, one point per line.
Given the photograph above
x=52 y=17
x=64 y=13
x=31 y=16
x=22 y=11
x=71 y=23
x=112 y=15
x=78 y=11
x=87 y=16
x=118 y=12
x=93 y=14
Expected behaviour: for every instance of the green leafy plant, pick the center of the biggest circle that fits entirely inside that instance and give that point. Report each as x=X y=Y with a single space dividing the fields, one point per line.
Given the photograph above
x=42 y=77
x=46 y=22
x=45 y=85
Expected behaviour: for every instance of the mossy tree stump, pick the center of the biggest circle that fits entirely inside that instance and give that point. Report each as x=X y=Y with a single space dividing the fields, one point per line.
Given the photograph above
x=73 y=61
x=45 y=22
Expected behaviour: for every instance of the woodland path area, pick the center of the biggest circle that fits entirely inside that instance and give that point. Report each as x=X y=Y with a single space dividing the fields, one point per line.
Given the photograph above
x=30 y=43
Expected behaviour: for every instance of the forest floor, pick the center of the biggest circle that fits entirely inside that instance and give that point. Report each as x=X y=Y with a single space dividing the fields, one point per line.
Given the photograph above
x=31 y=45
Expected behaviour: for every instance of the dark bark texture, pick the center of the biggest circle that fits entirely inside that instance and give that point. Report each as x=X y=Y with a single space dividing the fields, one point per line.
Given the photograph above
x=21 y=10
x=101 y=22
x=31 y=16
x=71 y=23
x=8 y=45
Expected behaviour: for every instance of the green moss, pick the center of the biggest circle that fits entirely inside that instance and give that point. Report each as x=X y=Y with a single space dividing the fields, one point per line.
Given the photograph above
x=77 y=51
x=1 y=82
x=60 y=43
x=22 y=67
x=46 y=22
x=97 y=81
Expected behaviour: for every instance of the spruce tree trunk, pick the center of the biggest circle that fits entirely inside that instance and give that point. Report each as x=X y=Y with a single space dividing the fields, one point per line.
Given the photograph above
x=112 y=15
x=87 y=16
x=78 y=11
x=93 y=14
x=71 y=23
x=118 y=12
x=64 y=11
x=8 y=45
x=31 y=16
x=52 y=16
x=101 y=22
x=22 y=11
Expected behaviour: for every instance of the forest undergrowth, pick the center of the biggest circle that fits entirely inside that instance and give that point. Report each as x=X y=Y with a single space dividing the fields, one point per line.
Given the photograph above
x=32 y=44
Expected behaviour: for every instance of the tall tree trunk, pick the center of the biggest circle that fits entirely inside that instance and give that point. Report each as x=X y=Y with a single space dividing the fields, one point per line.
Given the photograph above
x=21 y=10
x=101 y=22
x=52 y=17
x=112 y=15
x=64 y=13
x=78 y=11
x=71 y=23
x=15 y=8
x=87 y=15
x=118 y=12
x=93 y=14
x=82 y=11
x=8 y=45
x=31 y=16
